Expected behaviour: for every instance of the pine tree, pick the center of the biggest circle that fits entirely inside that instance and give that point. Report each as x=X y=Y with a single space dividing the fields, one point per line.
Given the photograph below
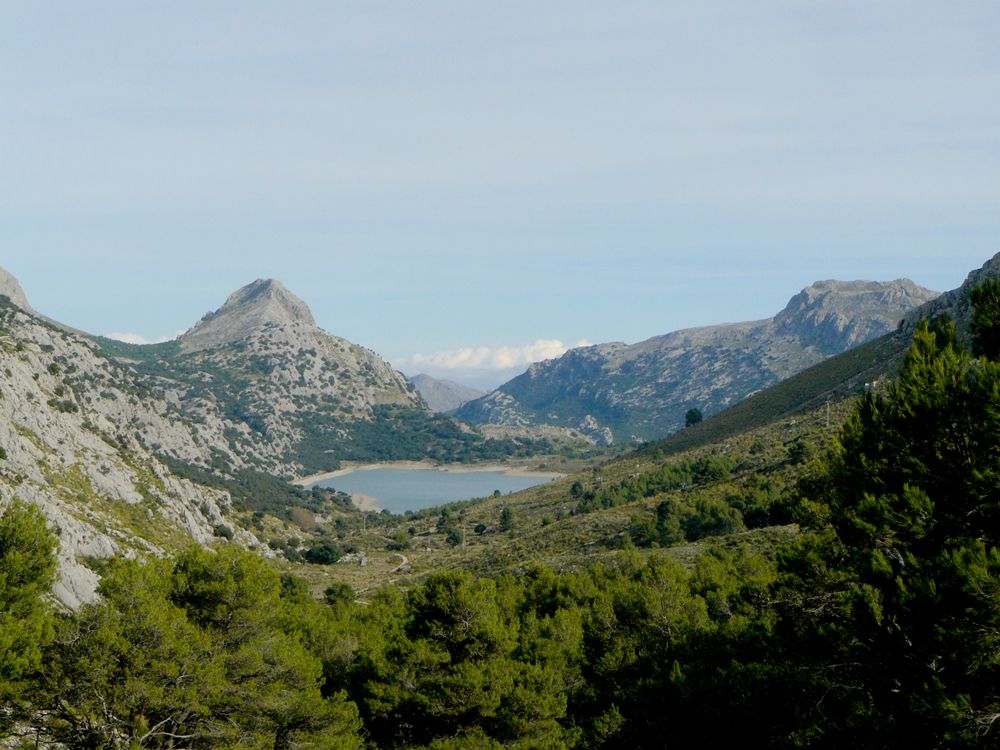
x=985 y=325
x=27 y=571
x=902 y=589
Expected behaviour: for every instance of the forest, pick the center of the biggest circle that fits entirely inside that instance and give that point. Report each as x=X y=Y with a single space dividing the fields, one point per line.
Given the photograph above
x=876 y=625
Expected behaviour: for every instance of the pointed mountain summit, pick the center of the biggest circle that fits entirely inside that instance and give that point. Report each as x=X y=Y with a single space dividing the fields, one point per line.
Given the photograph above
x=295 y=393
x=265 y=301
x=11 y=287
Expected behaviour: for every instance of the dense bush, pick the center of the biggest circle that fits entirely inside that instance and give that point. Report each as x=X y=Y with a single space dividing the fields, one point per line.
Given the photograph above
x=324 y=553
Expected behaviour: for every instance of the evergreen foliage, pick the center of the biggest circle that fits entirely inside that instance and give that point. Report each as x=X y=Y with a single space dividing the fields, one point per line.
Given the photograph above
x=200 y=652
x=899 y=579
x=985 y=323
x=877 y=626
x=27 y=571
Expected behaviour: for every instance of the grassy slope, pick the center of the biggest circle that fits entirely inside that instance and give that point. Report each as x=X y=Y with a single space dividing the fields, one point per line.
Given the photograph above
x=754 y=437
x=834 y=380
x=548 y=532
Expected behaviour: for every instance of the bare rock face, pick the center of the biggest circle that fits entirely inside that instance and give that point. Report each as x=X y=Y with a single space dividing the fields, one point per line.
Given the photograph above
x=642 y=391
x=833 y=316
x=292 y=391
x=10 y=287
x=956 y=303
x=265 y=301
x=85 y=441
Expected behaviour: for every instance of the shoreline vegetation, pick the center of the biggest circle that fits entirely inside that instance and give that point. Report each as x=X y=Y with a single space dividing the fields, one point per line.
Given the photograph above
x=368 y=503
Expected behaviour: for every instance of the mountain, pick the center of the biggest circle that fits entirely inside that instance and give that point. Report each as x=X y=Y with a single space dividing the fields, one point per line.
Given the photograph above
x=89 y=444
x=746 y=457
x=835 y=379
x=265 y=363
x=642 y=391
x=265 y=302
x=443 y=395
x=143 y=449
x=299 y=399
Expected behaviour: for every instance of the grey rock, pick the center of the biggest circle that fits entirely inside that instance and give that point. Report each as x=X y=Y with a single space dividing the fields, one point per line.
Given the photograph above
x=246 y=310
x=443 y=395
x=84 y=441
x=11 y=287
x=642 y=391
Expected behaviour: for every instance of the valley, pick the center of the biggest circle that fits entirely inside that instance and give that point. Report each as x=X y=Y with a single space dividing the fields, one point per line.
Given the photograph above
x=499 y=376
x=222 y=439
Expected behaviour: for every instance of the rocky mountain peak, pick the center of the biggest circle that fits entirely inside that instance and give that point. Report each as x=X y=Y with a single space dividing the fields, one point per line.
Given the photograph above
x=643 y=390
x=10 y=287
x=247 y=309
x=836 y=315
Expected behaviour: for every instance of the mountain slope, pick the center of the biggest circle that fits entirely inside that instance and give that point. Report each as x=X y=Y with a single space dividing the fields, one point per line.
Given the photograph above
x=441 y=394
x=642 y=391
x=747 y=457
x=143 y=449
x=836 y=378
x=299 y=399
x=88 y=444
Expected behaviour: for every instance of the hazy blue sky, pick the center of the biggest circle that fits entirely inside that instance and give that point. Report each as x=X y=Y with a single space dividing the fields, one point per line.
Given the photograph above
x=438 y=175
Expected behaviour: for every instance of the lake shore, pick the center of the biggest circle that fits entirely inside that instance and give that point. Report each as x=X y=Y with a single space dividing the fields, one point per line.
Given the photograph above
x=350 y=468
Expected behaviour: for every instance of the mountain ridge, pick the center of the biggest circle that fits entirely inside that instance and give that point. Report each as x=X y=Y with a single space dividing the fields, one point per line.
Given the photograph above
x=618 y=391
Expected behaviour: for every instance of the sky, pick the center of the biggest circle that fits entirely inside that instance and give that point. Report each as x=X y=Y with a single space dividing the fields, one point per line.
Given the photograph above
x=464 y=187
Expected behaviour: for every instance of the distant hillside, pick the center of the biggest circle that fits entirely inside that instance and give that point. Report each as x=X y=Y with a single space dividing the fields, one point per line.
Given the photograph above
x=443 y=395
x=747 y=456
x=834 y=379
x=642 y=391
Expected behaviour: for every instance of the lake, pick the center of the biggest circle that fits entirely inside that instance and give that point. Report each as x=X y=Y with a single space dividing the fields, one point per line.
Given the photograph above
x=400 y=490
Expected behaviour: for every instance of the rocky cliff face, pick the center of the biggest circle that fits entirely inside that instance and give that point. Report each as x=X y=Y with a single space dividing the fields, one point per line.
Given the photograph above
x=264 y=302
x=85 y=441
x=834 y=316
x=956 y=304
x=642 y=391
x=11 y=288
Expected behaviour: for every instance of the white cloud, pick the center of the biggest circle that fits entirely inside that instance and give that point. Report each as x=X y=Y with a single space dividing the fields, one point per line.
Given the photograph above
x=135 y=338
x=491 y=358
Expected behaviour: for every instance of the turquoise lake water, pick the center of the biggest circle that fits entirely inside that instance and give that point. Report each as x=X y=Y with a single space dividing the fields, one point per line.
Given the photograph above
x=400 y=490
